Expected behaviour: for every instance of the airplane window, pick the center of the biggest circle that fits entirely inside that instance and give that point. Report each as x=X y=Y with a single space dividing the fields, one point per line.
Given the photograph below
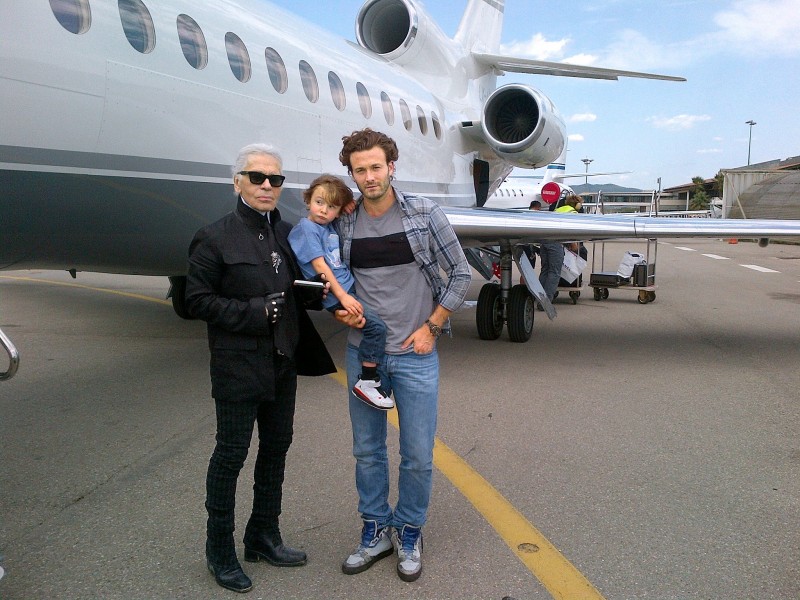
x=74 y=15
x=138 y=25
x=337 y=91
x=388 y=109
x=238 y=57
x=364 y=100
x=437 y=127
x=423 y=122
x=193 y=42
x=406 y=113
x=277 y=70
x=309 y=79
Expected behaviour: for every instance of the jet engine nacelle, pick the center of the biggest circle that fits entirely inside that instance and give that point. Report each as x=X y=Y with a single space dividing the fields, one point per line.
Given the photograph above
x=522 y=126
x=402 y=32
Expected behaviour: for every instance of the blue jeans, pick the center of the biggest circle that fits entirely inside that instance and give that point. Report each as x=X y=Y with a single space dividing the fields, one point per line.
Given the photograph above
x=373 y=335
x=552 y=261
x=414 y=379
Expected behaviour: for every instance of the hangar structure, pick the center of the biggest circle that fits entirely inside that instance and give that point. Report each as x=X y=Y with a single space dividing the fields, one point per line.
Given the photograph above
x=768 y=190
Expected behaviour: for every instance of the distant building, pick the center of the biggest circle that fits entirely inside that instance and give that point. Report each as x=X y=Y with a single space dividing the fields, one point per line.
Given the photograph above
x=767 y=190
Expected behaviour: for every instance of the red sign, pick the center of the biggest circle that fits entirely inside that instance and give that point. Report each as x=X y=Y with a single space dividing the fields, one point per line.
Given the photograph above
x=550 y=192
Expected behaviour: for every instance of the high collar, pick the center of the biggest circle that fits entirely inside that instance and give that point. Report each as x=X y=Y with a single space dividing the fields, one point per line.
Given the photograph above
x=253 y=218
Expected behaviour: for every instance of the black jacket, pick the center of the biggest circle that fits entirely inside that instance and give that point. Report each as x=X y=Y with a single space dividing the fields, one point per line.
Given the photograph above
x=231 y=270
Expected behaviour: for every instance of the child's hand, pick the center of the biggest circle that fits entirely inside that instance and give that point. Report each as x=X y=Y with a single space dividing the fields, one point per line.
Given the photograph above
x=352 y=306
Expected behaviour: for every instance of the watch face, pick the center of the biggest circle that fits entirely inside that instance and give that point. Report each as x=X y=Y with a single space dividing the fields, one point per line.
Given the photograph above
x=435 y=330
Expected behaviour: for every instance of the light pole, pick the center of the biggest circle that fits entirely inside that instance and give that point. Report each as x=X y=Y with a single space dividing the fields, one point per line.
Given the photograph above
x=750 y=139
x=586 y=161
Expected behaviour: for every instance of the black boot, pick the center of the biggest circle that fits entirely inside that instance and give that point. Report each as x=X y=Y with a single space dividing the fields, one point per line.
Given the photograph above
x=225 y=567
x=269 y=546
x=231 y=577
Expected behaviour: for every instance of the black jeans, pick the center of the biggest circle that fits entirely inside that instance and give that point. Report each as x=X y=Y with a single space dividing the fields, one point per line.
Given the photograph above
x=235 y=423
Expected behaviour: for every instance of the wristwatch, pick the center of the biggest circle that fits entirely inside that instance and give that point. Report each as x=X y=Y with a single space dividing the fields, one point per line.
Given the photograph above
x=436 y=330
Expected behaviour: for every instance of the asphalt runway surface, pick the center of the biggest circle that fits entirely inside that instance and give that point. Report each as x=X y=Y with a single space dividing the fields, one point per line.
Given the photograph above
x=656 y=446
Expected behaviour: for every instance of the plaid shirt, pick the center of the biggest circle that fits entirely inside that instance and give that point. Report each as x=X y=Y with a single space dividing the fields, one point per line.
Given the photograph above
x=433 y=242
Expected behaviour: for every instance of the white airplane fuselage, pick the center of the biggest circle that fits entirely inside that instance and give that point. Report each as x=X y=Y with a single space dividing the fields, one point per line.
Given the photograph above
x=112 y=158
x=121 y=119
x=520 y=192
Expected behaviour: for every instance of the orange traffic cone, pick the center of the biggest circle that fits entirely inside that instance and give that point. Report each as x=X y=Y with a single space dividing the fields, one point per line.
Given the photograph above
x=733 y=241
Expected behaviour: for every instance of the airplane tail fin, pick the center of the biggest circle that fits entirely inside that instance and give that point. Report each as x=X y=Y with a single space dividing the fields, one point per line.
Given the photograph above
x=557 y=169
x=481 y=26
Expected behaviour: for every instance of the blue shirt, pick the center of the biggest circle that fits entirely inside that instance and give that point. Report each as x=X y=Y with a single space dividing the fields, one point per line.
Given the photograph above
x=310 y=240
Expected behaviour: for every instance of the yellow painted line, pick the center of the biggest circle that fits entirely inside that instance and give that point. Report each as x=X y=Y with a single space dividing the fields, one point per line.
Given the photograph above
x=88 y=287
x=547 y=564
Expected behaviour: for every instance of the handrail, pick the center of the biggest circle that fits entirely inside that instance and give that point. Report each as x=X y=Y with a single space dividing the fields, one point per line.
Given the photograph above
x=13 y=357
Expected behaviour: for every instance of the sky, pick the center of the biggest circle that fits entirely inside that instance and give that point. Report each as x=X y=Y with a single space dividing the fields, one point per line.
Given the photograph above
x=741 y=59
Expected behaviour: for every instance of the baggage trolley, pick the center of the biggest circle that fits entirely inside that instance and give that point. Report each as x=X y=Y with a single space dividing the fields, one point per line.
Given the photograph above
x=643 y=279
x=573 y=288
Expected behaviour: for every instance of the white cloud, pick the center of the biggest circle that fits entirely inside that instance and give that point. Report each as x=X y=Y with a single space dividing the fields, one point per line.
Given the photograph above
x=537 y=48
x=629 y=50
x=583 y=118
x=575 y=137
x=678 y=122
x=760 y=26
x=584 y=60
x=709 y=151
x=632 y=50
x=745 y=27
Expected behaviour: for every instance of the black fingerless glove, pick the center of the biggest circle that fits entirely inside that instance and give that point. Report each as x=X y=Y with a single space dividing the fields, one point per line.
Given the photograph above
x=275 y=305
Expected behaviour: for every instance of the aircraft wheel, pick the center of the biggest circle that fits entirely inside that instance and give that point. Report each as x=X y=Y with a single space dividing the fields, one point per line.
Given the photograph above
x=520 y=314
x=489 y=314
x=177 y=291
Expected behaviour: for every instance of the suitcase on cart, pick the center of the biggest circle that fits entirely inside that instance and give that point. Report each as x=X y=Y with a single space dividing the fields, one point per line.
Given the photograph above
x=578 y=283
x=607 y=280
x=574 y=287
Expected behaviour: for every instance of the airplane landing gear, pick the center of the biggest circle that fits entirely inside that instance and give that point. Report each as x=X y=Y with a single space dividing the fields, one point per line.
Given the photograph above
x=502 y=303
x=489 y=313
x=520 y=314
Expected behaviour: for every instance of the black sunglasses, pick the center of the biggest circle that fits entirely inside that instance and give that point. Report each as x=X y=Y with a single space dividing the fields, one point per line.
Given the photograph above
x=257 y=178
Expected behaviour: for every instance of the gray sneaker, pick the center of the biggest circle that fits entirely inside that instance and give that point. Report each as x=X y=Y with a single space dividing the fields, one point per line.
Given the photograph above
x=375 y=545
x=409 y=552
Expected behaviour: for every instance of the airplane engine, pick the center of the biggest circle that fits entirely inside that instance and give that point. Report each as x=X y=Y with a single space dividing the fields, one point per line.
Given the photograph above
x=402 y=32
x=522 y=126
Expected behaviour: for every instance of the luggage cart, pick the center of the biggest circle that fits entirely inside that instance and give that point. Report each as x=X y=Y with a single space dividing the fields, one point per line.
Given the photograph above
x=643 y=279
x=574 y=288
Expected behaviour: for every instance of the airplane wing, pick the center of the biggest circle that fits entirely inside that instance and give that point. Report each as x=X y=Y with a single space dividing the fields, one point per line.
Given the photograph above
x=477 y=227
x=488 y=235
x=514 y=64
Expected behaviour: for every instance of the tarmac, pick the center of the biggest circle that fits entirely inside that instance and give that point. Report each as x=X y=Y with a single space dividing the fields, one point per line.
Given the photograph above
x=626 y=451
